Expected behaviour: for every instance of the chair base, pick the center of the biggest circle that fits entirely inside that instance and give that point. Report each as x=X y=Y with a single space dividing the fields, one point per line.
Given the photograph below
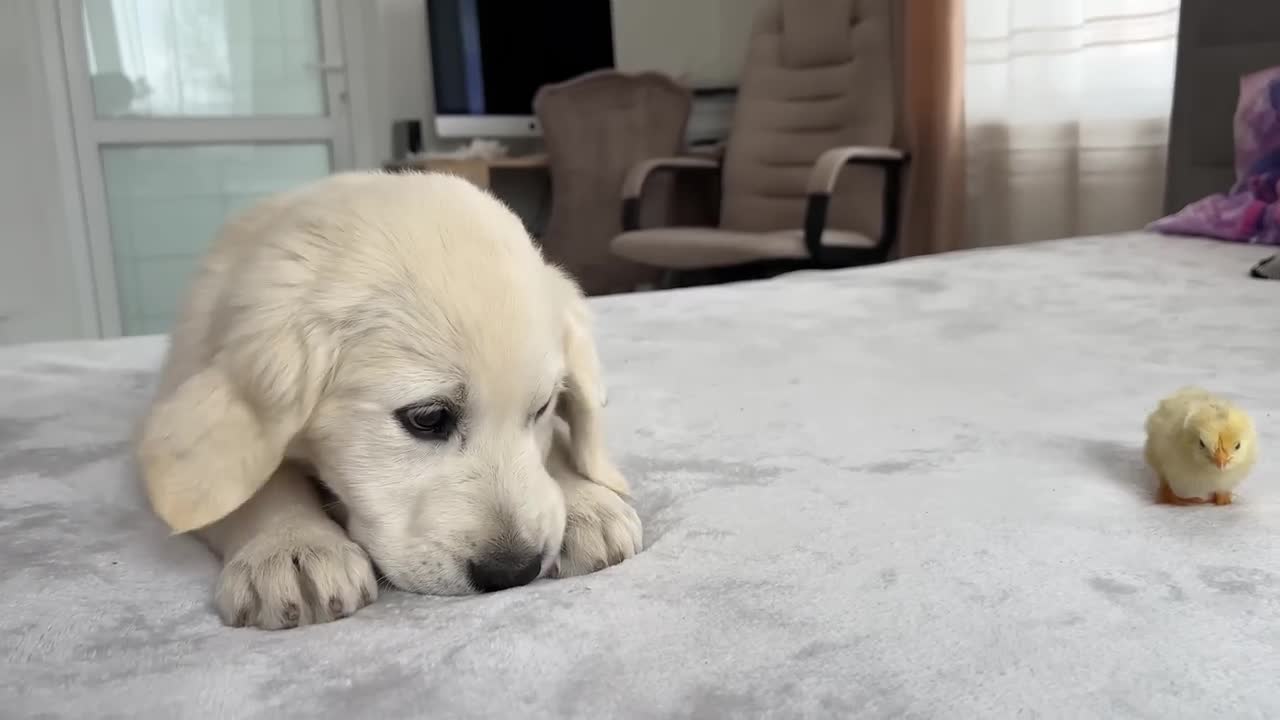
x=833 y=259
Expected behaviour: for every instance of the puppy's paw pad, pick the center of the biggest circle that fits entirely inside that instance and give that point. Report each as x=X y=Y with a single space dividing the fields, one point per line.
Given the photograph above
x=601 y=529
x=284 y=581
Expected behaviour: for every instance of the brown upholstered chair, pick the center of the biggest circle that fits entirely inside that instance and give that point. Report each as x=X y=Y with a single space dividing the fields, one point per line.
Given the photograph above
x=810 y=176
x=596 y=128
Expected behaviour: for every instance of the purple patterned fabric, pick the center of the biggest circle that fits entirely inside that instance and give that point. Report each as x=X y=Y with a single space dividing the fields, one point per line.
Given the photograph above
x=1250 y=211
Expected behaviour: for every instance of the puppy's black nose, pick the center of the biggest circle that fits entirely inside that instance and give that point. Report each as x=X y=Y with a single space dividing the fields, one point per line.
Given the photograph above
x=500 y=572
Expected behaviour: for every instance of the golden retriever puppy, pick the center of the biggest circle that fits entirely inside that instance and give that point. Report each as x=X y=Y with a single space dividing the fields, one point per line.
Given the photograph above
x=381 y=371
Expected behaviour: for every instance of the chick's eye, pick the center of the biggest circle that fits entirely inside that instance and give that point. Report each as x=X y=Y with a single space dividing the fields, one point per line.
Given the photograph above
x=427 y=422
x=1237 y=446
x=1206 y=447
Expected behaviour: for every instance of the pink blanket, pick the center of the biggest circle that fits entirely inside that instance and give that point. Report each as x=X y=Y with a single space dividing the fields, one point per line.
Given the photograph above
x=1250 y=210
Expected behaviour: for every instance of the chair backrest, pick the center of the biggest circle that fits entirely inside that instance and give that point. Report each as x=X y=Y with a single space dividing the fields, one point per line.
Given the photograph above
x=818 y=74
x=597 y=127
x=1214 y=50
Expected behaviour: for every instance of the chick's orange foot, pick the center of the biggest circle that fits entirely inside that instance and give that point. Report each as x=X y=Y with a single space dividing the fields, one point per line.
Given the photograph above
x=1222 y=498
x=1167 y=497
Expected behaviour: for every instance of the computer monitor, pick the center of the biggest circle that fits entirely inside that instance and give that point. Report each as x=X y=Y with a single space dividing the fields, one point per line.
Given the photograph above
x=489 y=57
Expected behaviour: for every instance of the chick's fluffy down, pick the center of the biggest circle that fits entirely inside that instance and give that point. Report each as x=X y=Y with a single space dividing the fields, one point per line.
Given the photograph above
x=1200 y=444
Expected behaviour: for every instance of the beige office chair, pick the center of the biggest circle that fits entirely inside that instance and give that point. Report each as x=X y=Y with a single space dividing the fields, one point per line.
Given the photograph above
x=810 y=177
x=596 y=128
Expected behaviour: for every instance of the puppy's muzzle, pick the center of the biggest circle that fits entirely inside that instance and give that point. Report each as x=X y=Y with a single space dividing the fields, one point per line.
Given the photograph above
x=503 y=570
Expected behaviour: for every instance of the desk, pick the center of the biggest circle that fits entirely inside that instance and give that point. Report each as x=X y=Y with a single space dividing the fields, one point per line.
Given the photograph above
x=527 y=191
x=478 y=170
x=526 y=186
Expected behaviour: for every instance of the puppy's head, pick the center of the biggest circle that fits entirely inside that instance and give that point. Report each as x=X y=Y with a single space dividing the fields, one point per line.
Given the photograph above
x=402 y=337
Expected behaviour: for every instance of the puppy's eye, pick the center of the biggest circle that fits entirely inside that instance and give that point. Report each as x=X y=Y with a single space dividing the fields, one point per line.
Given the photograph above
x=543 y=410
x=427 y=422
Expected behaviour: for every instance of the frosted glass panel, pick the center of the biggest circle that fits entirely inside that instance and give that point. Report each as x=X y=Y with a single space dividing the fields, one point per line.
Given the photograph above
x=204 y=58
x=165 y=204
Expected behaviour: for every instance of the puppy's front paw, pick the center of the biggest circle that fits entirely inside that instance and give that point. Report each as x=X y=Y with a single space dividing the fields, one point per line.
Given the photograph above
x=601 y=529
x=286 y=579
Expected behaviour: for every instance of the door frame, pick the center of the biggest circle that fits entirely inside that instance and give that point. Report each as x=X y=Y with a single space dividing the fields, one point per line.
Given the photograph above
x=83 y=134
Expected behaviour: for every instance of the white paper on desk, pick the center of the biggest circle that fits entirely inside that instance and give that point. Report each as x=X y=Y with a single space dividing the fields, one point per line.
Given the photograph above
x=479 y=149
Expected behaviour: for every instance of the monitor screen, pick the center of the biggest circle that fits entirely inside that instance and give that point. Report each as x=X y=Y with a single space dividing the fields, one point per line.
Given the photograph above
x=489 y=57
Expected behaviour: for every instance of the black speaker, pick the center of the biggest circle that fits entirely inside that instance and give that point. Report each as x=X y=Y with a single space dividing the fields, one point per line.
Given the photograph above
x=406 y=138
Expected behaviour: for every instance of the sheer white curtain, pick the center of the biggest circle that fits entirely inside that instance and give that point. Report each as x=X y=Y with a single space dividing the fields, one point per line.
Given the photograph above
x=1066 y=112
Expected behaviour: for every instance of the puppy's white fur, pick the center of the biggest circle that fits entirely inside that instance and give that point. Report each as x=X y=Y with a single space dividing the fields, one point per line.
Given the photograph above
x=315 y=317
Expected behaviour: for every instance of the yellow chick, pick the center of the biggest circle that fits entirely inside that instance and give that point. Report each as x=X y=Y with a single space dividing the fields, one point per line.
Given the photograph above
x=1200 y=446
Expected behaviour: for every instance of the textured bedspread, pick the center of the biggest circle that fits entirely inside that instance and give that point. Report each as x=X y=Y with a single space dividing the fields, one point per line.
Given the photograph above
x=909 y=491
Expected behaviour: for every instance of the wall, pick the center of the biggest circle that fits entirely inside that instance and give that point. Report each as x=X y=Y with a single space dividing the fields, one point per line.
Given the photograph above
x=39 y=298
x=399 y=68
x=702 y=42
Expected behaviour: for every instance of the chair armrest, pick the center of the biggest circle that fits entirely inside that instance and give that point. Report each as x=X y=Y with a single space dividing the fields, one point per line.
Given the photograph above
x=826 y=171
x=633 y=183
x=822 y=181
x=715 y=150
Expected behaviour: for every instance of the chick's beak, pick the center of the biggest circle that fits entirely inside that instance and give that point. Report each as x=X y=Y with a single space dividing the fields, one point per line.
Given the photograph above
x=1220 y=458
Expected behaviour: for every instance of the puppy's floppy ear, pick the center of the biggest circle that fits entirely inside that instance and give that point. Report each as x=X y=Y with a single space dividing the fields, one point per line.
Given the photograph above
x=584 y=394
x=213 y=441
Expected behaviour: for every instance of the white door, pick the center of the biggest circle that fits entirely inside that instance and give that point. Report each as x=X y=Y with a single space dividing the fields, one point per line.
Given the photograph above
x=184 y=112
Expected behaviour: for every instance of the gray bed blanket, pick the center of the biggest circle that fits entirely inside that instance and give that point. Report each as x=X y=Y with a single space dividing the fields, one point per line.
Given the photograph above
x=911 y=491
